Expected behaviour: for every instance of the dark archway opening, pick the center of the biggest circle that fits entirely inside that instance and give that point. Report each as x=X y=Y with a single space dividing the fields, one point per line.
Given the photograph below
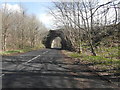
x=65 y=43
x=56 y=43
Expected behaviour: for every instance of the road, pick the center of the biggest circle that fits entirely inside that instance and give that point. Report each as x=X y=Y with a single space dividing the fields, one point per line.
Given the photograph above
x=47 y=68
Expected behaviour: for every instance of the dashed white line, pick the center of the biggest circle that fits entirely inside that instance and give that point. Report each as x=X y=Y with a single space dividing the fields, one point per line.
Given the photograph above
x=34 y=58
x=2 y=75
x=28 y=61
x=45 y=52
x=31 y=60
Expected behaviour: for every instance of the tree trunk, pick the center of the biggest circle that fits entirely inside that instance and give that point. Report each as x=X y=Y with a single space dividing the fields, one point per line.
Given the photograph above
x=92 y=50
x=4 y=42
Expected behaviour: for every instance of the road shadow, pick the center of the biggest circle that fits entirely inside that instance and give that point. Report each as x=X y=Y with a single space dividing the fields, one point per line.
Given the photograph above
x=49 y=71
x=26 y=79
x=56 y=48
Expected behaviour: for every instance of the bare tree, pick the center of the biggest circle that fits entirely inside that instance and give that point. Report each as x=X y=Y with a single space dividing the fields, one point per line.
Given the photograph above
x=6 y=22
x=84 y=18
x=19 y=30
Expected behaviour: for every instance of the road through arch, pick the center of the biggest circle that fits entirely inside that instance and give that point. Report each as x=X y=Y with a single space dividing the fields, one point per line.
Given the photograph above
x=65 y=42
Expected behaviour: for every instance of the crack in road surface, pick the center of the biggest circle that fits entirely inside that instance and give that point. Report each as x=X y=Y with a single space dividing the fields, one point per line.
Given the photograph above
x=47 y=68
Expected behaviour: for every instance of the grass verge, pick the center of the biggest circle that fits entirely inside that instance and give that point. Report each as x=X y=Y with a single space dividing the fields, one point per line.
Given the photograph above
x=101 y=63
x=109 y=68
x=12 y=52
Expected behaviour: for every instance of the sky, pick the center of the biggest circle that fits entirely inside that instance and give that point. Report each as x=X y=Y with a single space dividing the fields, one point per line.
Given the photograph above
x=38 y=8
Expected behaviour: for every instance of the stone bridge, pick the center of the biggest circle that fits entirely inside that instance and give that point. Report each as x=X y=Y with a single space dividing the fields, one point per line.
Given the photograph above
x=65 y=42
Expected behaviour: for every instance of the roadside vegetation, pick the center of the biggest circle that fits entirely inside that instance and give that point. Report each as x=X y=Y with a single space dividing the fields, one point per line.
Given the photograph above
x=21 y=32
x=19 y=51
x=94 y=33
x=100 y=62
x=106 y=63
x=91 y=27
x=86 y=23
x=107 y=58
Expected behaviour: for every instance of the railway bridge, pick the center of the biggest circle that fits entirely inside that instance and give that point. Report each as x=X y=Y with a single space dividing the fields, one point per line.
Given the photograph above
x=65 y=42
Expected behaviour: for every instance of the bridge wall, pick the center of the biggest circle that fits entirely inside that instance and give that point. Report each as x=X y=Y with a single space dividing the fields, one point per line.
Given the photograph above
x=66 y=43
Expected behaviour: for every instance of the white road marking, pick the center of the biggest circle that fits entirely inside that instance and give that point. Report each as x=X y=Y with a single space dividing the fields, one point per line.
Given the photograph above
x=31 y=60
x=45 y=52
x=28 y=61
x=2 y=75
x=34 y=58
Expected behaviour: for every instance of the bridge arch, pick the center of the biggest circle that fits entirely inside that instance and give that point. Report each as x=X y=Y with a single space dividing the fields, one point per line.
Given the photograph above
x=65 y=42
x=56 y=43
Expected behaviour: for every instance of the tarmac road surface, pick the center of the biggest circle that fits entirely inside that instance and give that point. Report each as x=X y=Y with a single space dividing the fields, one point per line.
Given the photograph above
x=47 y=68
